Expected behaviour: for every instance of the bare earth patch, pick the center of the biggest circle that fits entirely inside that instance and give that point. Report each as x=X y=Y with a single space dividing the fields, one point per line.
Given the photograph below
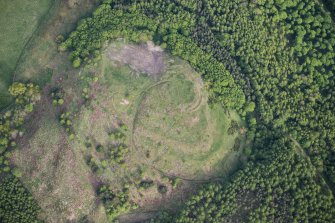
x=144 y=58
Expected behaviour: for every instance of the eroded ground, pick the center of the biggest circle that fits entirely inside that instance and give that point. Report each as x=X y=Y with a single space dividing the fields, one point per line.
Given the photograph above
x=145 y=58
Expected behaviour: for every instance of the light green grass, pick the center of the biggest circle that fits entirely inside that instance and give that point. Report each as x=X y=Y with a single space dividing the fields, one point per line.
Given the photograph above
x=169 y=118
x=18 y=21
x=183 y=134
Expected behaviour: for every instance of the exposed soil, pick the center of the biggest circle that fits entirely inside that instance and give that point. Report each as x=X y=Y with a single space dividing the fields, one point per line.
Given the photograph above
x=145 y=58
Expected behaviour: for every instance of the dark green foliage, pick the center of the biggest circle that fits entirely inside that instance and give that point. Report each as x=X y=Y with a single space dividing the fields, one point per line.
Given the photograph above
x=123 y=127
x=117 y=150
x=117 y=153
x=92 y=164
x=219 y=82
x=115 y=203
x=146 y=184
x=99 y=148
x=111 y=154
x=247 y=151
x=286 y=51
x=16 y=204
x=300 y=196
x=330 y=5
x=57 y=96
x=65 y=119
x=162 y=189
x=206 y=40
x=88 y=142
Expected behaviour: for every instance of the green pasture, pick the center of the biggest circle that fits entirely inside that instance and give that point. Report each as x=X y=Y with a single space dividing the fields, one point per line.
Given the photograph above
x=171 y=126
x=18 y=22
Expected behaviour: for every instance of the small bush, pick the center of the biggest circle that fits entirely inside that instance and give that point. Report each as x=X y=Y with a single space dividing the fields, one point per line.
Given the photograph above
x=162 y=189
x=146 y=184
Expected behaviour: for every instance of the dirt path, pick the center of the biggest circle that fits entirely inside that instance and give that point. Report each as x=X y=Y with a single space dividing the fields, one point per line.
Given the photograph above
x=138 y=105
x=299 y=150
x=186 y=179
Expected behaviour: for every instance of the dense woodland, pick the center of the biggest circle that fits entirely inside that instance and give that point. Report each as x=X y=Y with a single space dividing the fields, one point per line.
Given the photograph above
x=16 y=203
x=273 y=61
x=330 y=5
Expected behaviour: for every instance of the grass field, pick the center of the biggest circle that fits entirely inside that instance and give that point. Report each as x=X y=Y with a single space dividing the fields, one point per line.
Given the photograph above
x=173 y=133
x=18 y=22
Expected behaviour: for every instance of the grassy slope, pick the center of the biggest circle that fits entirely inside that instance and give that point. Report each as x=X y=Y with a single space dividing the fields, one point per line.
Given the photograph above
x=169 y=117
x=54 y=170
x=18 y=21
x=42 y=60
x=185 y=137
x=39 y=62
